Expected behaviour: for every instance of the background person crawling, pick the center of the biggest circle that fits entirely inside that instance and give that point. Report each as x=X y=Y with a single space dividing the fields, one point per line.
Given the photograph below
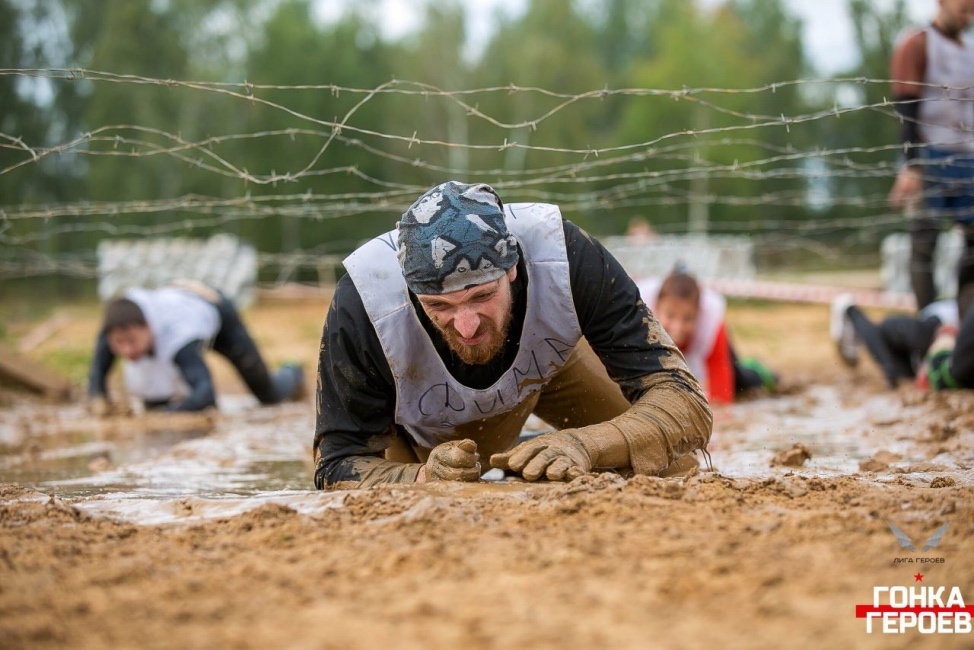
x=162 y=334
x=447 y=333
x=694 y=317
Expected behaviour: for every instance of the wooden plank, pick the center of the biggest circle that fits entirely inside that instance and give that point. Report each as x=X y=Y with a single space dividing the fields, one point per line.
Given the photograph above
x=25 y=371
x=43 y=332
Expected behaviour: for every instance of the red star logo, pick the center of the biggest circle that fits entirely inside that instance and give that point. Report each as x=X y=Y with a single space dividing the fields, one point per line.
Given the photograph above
x=918 y=577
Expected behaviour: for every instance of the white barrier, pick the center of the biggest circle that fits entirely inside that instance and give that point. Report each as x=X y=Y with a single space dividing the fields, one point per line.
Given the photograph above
x=713 y=256
x=895 y=270
x=222 y=261
x=794 y=292
x=726 y=265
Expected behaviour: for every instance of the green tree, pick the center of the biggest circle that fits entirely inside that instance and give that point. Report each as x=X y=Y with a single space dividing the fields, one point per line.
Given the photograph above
x=23 y=122
x=133 y=37
x=294 y=51
x=874 y=125
x=180 y=40
x=621 y=39
x=433 y=57
x=551 y=47
x=696 y=136
x=30 y=122
x=854 y=132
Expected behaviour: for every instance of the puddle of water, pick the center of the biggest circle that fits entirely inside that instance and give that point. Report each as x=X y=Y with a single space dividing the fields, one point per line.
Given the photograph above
x=839 y=435
x=256 y=455
x=35 y=472
x=142 y=509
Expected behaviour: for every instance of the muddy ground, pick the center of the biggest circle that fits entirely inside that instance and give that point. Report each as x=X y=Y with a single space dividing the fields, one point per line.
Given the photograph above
x=169 y=545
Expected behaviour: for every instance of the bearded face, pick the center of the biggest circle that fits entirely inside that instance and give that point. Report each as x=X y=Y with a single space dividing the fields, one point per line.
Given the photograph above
x=475 y=321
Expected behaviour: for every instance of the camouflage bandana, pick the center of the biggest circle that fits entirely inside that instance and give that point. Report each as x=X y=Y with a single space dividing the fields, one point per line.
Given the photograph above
x=454 y=237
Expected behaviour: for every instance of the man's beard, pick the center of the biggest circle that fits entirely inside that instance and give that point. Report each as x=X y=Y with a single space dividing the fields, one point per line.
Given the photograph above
x=482 y=352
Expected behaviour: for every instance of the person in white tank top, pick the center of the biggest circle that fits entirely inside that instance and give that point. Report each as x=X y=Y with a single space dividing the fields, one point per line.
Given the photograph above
x=933 y=91
x=162 y=334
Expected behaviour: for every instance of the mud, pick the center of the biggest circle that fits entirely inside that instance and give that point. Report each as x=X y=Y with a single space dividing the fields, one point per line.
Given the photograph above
x=140 y=533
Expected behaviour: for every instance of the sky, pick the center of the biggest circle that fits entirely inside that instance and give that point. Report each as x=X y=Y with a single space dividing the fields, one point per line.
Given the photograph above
x=828 y=37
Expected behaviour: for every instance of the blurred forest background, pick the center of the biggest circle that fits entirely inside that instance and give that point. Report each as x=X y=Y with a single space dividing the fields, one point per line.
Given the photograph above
x=131 y=118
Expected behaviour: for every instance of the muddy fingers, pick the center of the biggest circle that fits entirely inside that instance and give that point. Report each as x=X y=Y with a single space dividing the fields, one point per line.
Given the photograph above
x=456 y=460
x=557 y=456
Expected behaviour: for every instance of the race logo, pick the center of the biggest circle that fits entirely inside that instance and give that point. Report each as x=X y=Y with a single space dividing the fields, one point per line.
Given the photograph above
x=927 y=609
x=907 y=543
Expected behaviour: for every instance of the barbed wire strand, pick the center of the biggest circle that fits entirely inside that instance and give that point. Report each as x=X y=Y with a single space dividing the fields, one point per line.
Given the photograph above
x=678 y=157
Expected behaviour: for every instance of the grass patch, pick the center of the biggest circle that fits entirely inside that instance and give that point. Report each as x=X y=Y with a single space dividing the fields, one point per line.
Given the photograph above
x=73 y=363
x=753 y=303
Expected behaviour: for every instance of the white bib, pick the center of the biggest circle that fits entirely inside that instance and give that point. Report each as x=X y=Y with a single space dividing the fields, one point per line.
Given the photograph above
x=176 y=317
x=946 y=114
x=430 y=402
x=710 y=315
x=154 y=380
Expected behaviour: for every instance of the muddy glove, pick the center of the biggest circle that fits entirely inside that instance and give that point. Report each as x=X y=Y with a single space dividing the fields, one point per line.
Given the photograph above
x=934 y=373
x=565 y=455
x=668 y=422
x=456 y=460
x=558 y=456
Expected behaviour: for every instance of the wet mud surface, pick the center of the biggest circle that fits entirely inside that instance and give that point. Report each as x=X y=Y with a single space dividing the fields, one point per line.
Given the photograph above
x=203 y=531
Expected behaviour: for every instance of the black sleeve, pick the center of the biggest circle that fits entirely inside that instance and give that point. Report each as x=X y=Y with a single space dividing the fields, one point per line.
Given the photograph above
x=193 y=368
x=101 y=364
x=356 y=395
x=961 y=360
x=621 y=329
x=909 y=111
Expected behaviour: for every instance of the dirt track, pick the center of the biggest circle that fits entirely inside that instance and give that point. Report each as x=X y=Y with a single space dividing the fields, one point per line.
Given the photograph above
x=777 y=558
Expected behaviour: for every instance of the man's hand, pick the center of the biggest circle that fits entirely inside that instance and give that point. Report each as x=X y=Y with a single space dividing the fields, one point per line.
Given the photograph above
x=907 y=187
x=456 y=460
x=934 y=372
x=99 y=407
x=558 y=456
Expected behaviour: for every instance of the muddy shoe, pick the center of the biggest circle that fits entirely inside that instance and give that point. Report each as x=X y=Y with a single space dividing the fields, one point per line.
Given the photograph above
x=893 y=376
x=289 y=381
x=842 y=330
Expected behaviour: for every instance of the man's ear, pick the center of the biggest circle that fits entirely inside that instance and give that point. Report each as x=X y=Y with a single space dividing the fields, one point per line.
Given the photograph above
x=512 y=273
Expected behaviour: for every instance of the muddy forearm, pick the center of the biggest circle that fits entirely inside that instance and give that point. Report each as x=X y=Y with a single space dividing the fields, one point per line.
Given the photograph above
x=364 y=471
x=670 y=420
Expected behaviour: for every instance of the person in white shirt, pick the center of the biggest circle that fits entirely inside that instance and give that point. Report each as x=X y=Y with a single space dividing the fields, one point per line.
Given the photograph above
x=162 y=334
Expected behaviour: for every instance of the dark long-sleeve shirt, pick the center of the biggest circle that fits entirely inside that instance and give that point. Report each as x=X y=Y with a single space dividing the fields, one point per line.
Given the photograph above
x=356 y=389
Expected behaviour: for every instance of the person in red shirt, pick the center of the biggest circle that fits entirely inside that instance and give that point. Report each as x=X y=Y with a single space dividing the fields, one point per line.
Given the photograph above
x=694 y=318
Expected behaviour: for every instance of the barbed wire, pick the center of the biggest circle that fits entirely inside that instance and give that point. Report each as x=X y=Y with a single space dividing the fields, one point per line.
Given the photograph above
x=337 y=127
x=560 y=174
x=676 y=169
x=85 y=265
